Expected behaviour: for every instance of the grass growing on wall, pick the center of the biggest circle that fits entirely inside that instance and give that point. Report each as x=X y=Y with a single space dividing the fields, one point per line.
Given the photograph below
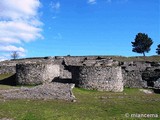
x=90 y=105
x=137 y=58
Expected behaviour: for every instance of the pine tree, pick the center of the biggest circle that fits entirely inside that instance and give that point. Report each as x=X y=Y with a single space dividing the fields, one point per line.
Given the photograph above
x=142 y=43
x=158 y=49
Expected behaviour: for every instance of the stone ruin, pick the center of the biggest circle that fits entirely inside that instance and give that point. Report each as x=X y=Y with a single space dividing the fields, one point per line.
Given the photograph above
x=99 y=75
x=36 y=73
x=141 y=74
x=88 y=72
x=102 y=78
x=46 y=91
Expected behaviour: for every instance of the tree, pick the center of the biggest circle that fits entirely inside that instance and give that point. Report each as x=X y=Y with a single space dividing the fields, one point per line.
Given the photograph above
x=142 y=43
x=158 y=49
x=14 y=55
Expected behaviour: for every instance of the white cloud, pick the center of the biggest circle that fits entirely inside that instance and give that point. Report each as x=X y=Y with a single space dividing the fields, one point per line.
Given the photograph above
x=117 y=1
x=16 y=9
x=19 y=23
x=17 y=31
x=9 y=40
x=11 y=48
x=8 y=49
x=58 y=36
x=3 y=58
x=92 y=1
x=55 y=5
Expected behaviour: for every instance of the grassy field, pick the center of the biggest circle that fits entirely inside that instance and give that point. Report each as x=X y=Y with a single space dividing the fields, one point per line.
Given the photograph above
x=90 y=105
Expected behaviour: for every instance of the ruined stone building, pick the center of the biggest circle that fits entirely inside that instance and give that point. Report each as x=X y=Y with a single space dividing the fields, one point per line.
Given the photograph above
x=88 y=72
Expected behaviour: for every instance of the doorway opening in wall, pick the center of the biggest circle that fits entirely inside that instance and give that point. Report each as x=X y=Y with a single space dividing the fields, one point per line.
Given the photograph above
x=60 y=80
x=150 y=83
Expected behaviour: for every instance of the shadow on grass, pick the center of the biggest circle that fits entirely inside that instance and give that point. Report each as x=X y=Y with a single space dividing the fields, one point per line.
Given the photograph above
x=11 y=80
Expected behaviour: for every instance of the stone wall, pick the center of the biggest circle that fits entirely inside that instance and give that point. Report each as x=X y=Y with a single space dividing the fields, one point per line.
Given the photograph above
x=136 y=74
x=9 y=66
x=7 y=69
x=133 y=79
x=31 y=74
x=98 y=78
x=141 y=74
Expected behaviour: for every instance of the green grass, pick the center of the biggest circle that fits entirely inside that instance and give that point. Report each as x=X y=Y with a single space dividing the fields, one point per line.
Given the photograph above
x=90 y=105
x=137 y=58
x=3 y=76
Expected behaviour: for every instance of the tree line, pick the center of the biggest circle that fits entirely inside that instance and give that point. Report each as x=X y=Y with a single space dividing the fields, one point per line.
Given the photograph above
x=142 y=44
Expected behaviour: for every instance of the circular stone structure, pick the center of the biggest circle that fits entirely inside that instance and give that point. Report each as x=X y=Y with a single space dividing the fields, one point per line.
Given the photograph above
x=36 y=73
x=102 y=78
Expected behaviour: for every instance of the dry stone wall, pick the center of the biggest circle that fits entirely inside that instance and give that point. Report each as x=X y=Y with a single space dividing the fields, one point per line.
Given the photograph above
x=9 y=66
x=98 y=78
x=135 y=74
x=7 y=69
x=157 y=83
x=31 y=74
x=141 y=74
x=133 y=79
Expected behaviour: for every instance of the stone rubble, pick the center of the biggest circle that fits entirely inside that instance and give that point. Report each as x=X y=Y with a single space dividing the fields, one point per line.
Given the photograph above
x=45 y=91
x=5 y=119
x=146 y=91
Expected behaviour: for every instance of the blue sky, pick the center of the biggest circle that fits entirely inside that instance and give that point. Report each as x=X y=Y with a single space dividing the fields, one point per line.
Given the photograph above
x=76 y=27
